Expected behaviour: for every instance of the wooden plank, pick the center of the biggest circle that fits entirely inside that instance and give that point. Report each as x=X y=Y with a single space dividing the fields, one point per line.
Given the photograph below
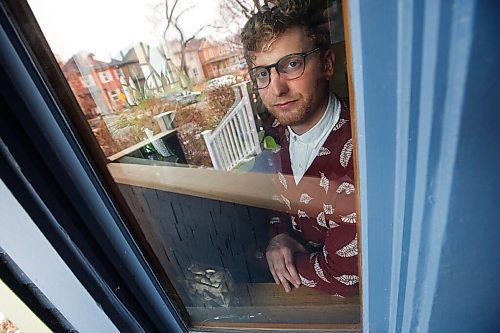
x=268 y=294
x=252 y=189
x=267 y=306
x=354 y=131
x=279 y=327
x=308 y=315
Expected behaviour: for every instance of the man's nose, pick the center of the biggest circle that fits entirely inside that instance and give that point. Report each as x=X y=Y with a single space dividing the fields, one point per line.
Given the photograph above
x=278 y=86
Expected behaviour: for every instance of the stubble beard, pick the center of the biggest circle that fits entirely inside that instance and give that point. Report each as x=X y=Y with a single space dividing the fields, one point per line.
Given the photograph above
x=295 y=117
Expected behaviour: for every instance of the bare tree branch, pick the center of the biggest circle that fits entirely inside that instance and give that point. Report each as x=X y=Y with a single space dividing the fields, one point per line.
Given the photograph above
x=196 y=33
x=243 y=7
x=168 y=15
x=182 y=12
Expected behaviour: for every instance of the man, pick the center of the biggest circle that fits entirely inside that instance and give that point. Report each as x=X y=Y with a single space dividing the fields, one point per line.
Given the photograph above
x=290 y=62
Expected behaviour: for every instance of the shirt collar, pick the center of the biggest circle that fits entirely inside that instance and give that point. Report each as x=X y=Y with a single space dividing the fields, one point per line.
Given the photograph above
x=319 y=128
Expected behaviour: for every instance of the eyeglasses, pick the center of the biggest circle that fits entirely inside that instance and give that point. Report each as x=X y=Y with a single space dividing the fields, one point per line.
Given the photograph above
x=289 y=67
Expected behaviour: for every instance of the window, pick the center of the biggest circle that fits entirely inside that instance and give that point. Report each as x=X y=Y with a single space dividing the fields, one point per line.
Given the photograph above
x=197 y=165
x=105 y=76
x=114 y=94
x=88 y=80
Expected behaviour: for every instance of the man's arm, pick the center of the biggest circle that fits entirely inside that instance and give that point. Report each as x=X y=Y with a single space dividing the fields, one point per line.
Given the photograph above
x=280 y=258
x=333 y=269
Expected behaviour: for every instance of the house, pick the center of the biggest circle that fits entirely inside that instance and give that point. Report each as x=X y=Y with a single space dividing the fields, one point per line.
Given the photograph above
x=193 y=64
x=95 y=83
x=219 y=59
x=206 y=59
x=145 y=69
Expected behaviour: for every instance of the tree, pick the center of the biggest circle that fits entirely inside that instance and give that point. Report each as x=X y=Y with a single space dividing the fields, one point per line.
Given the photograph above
x=234 y=14
x=239 y=8
x=172 y=14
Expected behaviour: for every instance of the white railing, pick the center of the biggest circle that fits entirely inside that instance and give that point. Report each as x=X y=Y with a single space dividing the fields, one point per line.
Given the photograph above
x=235 y=139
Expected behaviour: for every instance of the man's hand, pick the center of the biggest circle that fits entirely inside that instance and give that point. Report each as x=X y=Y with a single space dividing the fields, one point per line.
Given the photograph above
x=279 y=256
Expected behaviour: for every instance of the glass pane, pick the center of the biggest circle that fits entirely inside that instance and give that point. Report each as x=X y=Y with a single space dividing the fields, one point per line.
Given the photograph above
x=229 y=184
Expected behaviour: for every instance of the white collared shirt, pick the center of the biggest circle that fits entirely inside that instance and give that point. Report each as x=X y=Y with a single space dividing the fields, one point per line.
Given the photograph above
x=304 y=148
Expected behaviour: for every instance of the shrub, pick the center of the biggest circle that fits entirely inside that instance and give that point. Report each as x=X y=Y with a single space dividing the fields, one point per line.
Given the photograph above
x=193 y=119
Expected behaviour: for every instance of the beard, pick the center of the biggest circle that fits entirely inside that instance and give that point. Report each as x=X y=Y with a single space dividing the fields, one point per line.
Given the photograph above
x=297 y=116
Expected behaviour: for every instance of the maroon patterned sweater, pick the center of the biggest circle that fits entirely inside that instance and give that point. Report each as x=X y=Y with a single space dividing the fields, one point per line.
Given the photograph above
x=321 y=212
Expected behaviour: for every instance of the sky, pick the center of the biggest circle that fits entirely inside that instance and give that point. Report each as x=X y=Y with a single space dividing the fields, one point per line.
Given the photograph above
x=104 y=27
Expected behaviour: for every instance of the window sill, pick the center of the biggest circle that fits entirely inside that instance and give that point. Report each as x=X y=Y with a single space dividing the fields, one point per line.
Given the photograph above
x=271 y=308
x=252 y=189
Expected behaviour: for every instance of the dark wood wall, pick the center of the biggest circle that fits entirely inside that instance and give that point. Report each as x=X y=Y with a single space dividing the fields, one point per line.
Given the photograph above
x=185 y=230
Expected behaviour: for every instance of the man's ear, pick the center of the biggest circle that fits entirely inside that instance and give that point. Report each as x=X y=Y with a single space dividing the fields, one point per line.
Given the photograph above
x=329 y=60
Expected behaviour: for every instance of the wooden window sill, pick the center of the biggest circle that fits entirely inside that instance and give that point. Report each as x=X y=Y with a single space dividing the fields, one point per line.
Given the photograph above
x=268 y=307
x=252 y=189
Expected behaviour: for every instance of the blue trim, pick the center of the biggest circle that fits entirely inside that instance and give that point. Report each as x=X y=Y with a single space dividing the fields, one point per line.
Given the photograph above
x=425 y=76
x=454 y=98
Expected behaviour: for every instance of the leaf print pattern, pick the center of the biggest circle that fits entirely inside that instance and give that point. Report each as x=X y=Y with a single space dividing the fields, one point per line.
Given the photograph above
x=351 y=218
x=324 y=151
x=325 y=253
x=319 y=271
x=324 y=182
x=295 y=226
x=350 y=250
x=276 y=149
x=274 y=220
x=286 y=202
x=345 y=186
x=306 y=282
x=328 y=209
x=348 y=280
x=339 y=124
x=331 y=167
x=337 y=295
x=276 y=123
x=332 y=224
x=345 y=154
x=282 y=180
x=321 y=219
x=301 y=213
x=305 y=198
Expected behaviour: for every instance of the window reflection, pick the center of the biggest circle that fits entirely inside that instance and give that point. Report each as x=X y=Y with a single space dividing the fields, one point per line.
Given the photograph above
x=206 y=161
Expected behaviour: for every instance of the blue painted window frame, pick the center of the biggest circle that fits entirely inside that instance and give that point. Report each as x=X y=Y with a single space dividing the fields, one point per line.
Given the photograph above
x=425 y=78
x=425 y=66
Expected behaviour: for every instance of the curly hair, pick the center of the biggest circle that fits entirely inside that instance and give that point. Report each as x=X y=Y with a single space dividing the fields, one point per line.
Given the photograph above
x=270 y=21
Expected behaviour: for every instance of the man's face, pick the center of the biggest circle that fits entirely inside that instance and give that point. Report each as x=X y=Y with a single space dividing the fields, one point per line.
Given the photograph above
x=299 y=102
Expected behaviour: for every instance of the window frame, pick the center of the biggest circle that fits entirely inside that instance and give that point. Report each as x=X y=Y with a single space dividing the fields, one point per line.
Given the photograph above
x=391 y=42
x=91 y=157
x=94 y=243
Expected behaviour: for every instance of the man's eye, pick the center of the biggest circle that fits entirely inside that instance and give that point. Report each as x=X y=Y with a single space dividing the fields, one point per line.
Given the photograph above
x=261 y=74
x=291 y=64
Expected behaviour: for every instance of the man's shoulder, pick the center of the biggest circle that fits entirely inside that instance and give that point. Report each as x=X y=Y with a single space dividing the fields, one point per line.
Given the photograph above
x=341 y=131
x=344 y=107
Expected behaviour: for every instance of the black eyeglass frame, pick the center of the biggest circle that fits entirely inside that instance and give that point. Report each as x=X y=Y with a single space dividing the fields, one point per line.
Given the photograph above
x=275 y=65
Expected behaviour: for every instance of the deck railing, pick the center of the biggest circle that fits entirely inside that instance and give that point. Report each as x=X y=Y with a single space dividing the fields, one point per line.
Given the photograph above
x=235 y=139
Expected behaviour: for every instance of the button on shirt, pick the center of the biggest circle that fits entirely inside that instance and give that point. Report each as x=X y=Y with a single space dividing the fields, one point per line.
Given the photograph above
x=304 y=148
